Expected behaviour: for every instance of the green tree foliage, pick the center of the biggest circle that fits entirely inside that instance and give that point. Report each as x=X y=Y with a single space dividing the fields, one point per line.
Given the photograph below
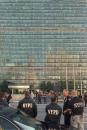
x=4 y=86
x=49 y=85
x=57 y=86
x=70 y=85
x=45 y=86
x=62 y=85
x=42 y=85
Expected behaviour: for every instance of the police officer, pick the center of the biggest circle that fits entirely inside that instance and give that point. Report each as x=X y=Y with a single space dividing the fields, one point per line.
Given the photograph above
x=85 y=98
x=67 y=111
x=28 y=106
x=3 y=101
x=53 y=114
x=76 y=106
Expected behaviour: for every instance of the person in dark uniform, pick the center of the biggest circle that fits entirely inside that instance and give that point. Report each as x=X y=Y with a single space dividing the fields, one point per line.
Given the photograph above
x=67 y=111
x=76 y=105
x=3 y=101
x=85 y=98
x=28 y=106
x=8 y=96
x=53 y=114
x=44 y=97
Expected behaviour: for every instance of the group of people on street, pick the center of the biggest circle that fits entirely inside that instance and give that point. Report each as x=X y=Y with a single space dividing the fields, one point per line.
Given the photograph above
x=72 y=110
x=42 y=97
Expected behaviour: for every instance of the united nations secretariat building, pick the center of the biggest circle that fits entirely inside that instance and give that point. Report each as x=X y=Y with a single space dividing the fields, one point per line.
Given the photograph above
x=43 y=40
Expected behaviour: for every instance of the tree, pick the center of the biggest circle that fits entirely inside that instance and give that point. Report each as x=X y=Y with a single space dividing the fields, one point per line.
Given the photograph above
x=4 y=86
x=46 y=86
x=49 y=85
x=63 y=85
x=71 y=85
x=42 y=86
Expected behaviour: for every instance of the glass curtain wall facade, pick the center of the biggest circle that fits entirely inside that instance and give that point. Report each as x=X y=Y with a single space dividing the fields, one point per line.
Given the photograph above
x=43 y=40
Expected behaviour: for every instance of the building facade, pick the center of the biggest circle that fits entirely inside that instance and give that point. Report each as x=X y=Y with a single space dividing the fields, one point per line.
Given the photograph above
x=42 y=40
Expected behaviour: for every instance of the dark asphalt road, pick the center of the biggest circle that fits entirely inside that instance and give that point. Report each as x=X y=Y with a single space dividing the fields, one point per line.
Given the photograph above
x=41 y=112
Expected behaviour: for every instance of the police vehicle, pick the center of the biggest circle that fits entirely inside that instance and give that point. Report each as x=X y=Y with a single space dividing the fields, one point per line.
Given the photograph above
x=11 y=119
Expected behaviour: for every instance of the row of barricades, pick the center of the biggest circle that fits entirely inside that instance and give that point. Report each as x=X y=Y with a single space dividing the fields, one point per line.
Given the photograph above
x=45 y=99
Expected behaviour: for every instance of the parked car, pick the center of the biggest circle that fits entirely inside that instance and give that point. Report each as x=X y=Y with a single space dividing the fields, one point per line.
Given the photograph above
x=11 y=119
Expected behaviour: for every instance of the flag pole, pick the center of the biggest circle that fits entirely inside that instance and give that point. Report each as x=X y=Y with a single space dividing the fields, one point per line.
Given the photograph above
x=66 y=79
x=74 y=77
x=81 y=79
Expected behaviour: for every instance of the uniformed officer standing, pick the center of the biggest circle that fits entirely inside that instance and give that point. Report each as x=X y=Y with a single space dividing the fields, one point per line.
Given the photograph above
x=66 y=111
x=76 y=106
x=53 y=114
x=28 y=106
x=3 y=101
x=85 y=98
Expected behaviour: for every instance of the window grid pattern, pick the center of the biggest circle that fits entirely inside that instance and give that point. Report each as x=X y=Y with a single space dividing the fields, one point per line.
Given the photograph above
x=40 y=39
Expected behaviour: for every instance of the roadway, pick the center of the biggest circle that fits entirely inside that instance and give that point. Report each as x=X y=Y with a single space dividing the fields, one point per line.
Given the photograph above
x=41 y=112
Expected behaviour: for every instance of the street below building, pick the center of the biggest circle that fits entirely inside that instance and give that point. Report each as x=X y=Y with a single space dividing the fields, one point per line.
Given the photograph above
x=41 y=112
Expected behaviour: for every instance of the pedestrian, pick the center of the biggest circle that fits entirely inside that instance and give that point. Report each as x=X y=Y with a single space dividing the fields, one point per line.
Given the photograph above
x=8 y=95
x=32 y=94
x=53 y=114
x=67 y=111
x=3 y=101
x=39 y=97
x=80 y=96
x=44 y=97
x=77 y=107
x=9 y=98
x=27 y=105
x=85 y=98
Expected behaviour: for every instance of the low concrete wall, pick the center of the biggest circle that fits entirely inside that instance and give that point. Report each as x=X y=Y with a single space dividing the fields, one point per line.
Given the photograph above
x=17 y=97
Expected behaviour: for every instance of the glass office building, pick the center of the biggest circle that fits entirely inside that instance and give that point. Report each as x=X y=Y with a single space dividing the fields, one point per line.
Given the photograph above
x=43 y=40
